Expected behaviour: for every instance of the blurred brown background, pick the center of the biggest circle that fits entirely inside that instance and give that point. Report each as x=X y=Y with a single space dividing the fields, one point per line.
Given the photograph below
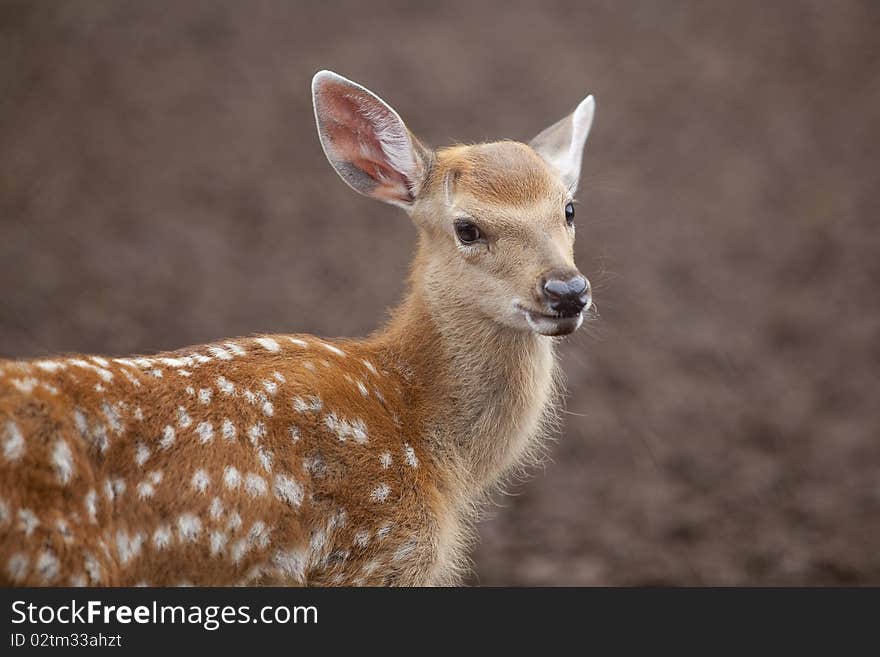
x=161 y=184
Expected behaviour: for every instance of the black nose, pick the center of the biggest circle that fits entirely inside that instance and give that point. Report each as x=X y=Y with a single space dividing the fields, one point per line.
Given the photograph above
x=565 y=293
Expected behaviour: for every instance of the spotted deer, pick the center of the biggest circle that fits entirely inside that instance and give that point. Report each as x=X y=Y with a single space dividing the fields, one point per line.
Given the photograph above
x=295 y=460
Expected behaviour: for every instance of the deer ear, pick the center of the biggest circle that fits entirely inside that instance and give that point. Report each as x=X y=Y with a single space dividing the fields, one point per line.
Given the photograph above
x=562 y=144
x=366 y=141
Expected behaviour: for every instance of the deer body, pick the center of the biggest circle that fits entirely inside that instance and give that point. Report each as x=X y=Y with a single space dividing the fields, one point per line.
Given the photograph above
x=294 y=460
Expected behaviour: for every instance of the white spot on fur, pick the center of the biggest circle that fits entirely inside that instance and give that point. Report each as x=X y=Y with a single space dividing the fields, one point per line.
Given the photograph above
x=128 y=547
x=236 y=349
x=288 y=490
x=385 y=460
x=176 y=362
x=314 y=466
x=183 y=418
x=249 y=396
x=145 y=490
x=278 y=376
x=98 y=437
x=316 y=547
x=205 y=431
x=62 y=460
x=410 y=456
x=345 y=429
x=256 y=432
x=141 y=454
x=162 y=537
x=259 y=535
x=106 y=375
x=47 y=566
x=255 y=485
x=234 y=521
x=338 y=519
x=82 y=425
x=309 y=365
x=17 y=567
x=312 y=403
x=216 y=509
x=231 y=477
x=168 y=437
x=91 y=502
x=132 y=379
x=291 y=563
x=109 y=493
x=220 y=352
x=50 y=365
x=64 y=530
x=138 y=414
x=380 y=493
x=363 y=389
x=13 y=442
x=27 y=521
x=265 y=458
x=205 y=396
x=293 y=432
x=25 y=386
x=225 y=385
x=369 y=366
x=361 y=538
x=190 y=390
x=270 y=386
x=383 y=531
x=268 y=344
x=298 y=342
x=239 y=549
x=228 y=430
x=268 y=409
x=188 y=527
x=332 y=349
x=217 y=542
x=201 y=481
x=93 y=568
x=113 y=414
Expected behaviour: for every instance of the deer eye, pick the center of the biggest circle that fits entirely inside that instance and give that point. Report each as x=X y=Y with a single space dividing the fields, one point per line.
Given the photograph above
x=467 y=231
x=569 y=214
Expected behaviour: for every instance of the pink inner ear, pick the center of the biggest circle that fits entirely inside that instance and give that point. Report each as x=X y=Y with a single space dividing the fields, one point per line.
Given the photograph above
x=350 y=127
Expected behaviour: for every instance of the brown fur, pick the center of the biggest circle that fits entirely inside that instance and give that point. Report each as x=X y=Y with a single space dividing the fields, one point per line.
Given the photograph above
x=377 y=483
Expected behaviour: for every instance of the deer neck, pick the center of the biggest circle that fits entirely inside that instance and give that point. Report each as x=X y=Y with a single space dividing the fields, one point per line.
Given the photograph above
x=483 y=392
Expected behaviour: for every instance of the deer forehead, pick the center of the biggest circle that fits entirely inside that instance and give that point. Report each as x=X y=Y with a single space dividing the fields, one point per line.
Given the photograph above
x=501 y=179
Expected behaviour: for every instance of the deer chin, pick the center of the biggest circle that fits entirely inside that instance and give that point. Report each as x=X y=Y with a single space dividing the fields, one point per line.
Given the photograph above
x=551 y=325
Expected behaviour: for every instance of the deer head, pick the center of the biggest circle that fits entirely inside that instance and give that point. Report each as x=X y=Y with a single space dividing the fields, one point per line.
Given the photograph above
x=496 y=220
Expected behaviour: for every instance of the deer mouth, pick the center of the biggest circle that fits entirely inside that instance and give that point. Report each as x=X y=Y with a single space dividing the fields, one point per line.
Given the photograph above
x=552 y=324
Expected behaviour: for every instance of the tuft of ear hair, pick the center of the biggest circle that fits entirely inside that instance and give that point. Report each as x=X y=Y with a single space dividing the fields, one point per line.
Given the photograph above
x=366 y=141
x=562 y=144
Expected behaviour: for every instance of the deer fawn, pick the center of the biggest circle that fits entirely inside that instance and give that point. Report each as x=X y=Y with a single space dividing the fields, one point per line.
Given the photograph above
x=292 y=460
